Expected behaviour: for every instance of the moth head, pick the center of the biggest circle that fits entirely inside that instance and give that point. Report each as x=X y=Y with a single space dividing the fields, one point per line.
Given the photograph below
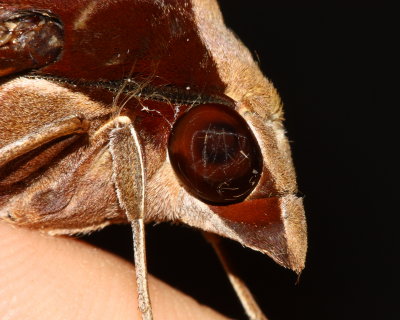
x=233 y=162
x=236 y=179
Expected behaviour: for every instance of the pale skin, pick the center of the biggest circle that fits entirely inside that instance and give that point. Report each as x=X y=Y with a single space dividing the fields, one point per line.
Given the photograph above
x=44 y=277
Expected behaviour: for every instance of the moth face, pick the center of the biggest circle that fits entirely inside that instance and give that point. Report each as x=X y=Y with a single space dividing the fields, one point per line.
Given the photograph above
x=229 y=172
x=232 y=165
x=216 y=155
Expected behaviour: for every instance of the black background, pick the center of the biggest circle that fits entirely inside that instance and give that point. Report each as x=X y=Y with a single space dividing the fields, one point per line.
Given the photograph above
x=330 y=64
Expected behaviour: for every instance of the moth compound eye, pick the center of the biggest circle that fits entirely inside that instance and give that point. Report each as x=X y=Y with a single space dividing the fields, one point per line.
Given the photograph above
x=215 y=154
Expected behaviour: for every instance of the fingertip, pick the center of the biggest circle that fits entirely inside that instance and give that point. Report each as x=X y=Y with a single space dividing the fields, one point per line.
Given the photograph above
x=44 y=277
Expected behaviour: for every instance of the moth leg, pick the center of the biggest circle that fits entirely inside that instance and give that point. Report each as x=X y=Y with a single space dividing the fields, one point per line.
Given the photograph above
x=251 y=307
x=129 y=180
x=59 y=128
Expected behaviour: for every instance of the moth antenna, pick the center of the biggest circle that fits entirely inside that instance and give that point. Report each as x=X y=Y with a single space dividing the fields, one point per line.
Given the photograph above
x=130 y=184
x=247 y=300
x=138 y=232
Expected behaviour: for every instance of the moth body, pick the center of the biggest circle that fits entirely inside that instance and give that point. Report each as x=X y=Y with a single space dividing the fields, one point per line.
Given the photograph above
x=94 y=133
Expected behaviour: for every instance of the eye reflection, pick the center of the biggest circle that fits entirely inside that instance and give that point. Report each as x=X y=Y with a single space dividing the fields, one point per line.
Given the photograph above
x=215 y=154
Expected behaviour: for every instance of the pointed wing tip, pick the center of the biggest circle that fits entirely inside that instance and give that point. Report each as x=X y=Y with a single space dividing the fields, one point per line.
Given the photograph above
x=295 y=228
x=290 y=246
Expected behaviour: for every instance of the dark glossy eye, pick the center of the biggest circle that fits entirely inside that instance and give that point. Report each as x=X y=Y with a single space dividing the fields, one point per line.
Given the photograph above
x=215 y=154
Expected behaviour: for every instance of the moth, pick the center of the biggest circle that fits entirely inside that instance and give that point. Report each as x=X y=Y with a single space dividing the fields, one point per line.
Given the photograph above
x=138 y=111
